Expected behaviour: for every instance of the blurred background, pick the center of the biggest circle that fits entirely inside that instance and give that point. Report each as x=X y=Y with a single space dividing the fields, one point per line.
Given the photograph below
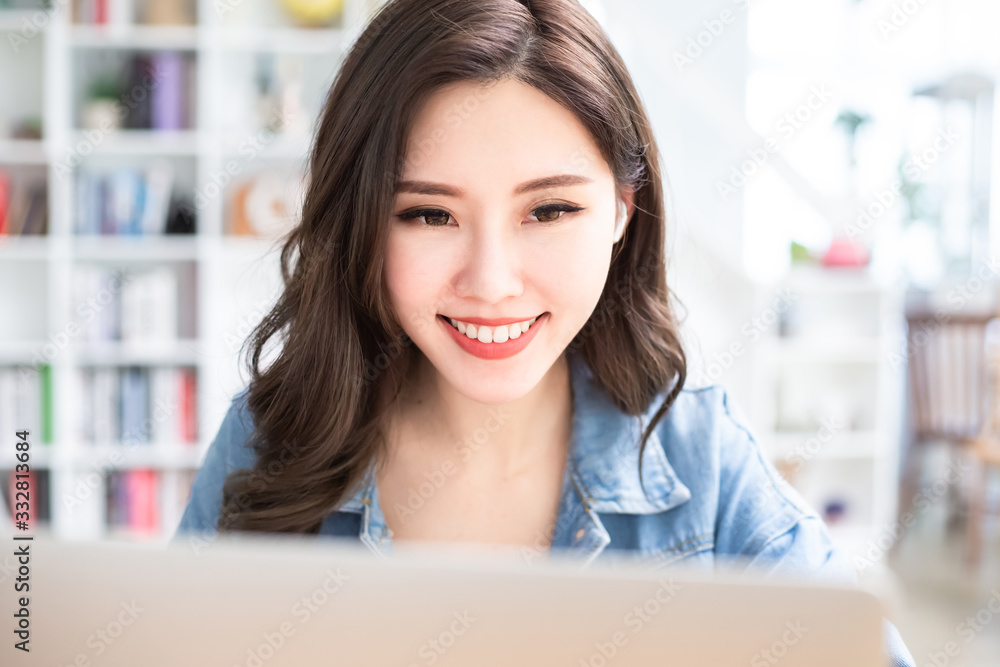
x=834 y=249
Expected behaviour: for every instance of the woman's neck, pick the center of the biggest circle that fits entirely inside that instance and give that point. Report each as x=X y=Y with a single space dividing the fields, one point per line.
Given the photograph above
x=433 y=419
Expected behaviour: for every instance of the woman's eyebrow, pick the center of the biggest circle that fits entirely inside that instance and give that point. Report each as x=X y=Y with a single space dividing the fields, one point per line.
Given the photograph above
x=441 y=189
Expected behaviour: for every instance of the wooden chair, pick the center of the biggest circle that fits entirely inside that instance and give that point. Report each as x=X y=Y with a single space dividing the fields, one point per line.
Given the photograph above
x=950 y=402
x=986 y=446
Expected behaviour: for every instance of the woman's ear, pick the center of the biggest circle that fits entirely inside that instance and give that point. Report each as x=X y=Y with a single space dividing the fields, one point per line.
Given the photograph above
x=624 y=211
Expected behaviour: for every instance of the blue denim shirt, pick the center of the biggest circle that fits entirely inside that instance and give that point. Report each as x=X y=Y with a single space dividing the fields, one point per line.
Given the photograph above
x=712 y=495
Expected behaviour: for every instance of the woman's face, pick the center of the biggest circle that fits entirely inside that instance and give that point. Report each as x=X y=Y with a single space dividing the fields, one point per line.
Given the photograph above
x=505 y=212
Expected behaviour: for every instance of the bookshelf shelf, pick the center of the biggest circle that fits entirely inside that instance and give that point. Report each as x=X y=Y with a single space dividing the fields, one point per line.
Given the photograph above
x=860 y=349
x=290 y=147
x=139 y=142
x=173 y=353
x=13 y=19
x=135 y=248
x=135 y=37
x=283 y=40
x=41 y=457
x=14 y=248
x=217 y=286
x=18 y=352
x=792 y=445
x=22 y=151
x=127 y=457
x=830 y=359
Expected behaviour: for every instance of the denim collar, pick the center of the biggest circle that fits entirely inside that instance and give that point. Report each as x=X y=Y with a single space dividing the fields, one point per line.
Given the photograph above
x=601 y=475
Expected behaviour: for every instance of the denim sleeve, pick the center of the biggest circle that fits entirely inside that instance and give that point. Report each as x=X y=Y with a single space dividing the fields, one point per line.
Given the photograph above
x=763 y=518
x=228 y=452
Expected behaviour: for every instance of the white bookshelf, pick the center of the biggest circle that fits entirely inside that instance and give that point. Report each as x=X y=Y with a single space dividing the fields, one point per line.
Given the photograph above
x=839 y=362
x=235 y=278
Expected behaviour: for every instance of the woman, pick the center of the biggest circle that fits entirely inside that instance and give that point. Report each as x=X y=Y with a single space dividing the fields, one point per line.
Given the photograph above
x=476 y=337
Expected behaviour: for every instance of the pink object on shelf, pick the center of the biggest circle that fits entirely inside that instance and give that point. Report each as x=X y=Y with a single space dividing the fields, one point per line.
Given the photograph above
x=843 y=252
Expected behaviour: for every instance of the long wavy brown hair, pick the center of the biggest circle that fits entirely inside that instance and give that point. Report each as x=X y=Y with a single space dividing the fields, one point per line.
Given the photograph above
x=341 y=357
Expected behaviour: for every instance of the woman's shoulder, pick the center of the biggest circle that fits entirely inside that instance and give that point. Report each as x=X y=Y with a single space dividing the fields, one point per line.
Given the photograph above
x=233 y=437
x=704 y=423
x=711 y=445
x=230 y=450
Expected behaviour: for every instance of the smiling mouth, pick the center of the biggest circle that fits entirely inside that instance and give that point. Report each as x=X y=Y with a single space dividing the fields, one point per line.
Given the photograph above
x=492 y=334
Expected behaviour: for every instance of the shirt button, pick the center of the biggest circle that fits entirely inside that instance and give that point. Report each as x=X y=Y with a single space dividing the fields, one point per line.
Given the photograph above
x=579 y=533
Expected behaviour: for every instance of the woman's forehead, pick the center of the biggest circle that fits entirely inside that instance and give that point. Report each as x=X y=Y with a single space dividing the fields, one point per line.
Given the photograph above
x=509 y=132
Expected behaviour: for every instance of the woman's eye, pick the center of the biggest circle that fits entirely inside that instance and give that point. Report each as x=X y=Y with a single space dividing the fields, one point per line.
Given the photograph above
x=552 y=212
x=432 y=217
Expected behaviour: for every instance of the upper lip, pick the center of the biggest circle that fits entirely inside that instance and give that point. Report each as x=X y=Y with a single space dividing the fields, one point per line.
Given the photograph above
x=491 y=321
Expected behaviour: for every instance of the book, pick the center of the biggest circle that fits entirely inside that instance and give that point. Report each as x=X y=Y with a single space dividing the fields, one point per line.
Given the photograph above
x=134 y=416
x=24 y=208
x=4 y=200
x=127 y=201
x=168 y=95
x=140 y=72
x=133 y=498
x=149 y=307
x=45 y=381
x=136 y=406
x=189 y=409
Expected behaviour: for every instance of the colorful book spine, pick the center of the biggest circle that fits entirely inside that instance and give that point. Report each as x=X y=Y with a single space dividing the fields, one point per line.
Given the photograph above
x=45 y=376
x=167 y=103
x=127 y=201
x=137 y=406
x=190 y=419
x=4 y=200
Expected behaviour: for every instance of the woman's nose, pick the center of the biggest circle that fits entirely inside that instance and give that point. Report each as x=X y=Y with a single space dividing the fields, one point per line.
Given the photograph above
x=492 y=263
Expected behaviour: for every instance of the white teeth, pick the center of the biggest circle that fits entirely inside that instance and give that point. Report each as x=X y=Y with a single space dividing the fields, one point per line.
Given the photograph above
x=499 y=334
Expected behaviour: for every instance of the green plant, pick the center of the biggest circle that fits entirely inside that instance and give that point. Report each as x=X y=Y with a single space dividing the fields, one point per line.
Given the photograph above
x=919 y=205
x=851 y=121
x=104 y=88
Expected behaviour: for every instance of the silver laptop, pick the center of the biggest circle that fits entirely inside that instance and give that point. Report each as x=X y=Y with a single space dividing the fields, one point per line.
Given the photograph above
x=253 y=601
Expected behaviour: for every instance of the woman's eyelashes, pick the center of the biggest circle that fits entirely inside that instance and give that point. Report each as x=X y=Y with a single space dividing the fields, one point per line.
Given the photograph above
x=435 y=217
